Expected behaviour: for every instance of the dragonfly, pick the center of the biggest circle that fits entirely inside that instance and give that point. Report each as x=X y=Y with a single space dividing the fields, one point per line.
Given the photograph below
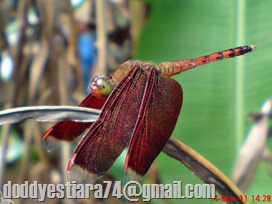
x=140 y=104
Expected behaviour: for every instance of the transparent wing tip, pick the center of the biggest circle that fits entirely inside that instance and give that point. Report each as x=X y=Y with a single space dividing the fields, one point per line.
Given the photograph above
x=132 y=175
x=76 y=173
x=51 y=144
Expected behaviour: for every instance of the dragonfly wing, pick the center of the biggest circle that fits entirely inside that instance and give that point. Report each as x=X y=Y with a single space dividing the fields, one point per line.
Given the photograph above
x=69 y=130
x=109 y=135
x=155 y=127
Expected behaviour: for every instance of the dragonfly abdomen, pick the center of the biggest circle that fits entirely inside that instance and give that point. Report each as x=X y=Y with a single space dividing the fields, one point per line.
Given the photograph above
x=173 y=68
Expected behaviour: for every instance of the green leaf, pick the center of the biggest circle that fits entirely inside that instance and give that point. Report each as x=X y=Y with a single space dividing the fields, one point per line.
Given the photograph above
x=219 y=96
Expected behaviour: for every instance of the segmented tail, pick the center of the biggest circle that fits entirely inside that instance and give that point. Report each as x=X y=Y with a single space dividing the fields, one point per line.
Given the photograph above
x=173 y=68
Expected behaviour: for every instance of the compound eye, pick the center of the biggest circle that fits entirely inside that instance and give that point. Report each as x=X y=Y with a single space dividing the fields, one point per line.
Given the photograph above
x=100 y=87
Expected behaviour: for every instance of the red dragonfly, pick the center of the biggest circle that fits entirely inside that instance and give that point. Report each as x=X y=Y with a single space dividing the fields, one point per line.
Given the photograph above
x=139 y=105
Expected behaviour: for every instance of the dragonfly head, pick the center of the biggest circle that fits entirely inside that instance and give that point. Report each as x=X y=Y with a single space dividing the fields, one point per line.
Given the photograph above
x=100 y=87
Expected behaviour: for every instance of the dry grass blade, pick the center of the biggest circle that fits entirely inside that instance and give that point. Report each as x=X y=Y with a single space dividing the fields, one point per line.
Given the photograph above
x=267 y=160
x=252 y=150
x=250 y=155
x=6 y=129
x=37 y=70
x=48 y=114
x=3 y=41
x=102 y=37
x=202 y=168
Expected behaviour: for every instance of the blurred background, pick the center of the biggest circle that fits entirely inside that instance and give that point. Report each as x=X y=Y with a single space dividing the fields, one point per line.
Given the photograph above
x=49 y=50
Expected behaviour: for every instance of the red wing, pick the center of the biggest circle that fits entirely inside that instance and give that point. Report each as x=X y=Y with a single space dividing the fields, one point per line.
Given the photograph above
x=155 y=128
x=109 y=135
x=69 y=130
